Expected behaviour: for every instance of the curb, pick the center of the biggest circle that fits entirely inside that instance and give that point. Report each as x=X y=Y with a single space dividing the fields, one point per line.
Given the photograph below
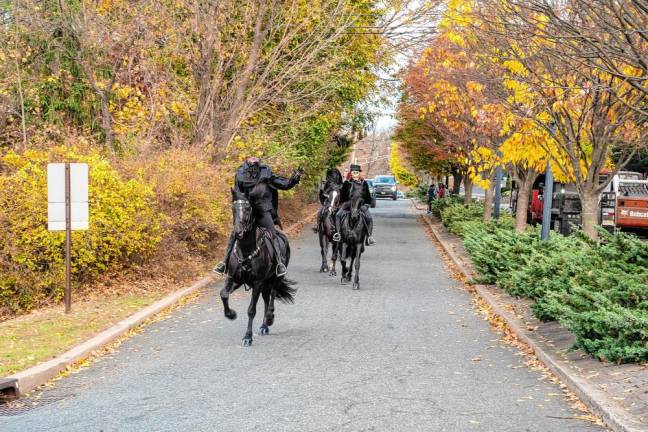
x=21 y=383
x=416 y=205
x=597 y=401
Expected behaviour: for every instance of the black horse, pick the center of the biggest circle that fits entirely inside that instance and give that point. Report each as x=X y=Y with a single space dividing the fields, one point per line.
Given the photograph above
x=354 y=232
x=252 y=263
x=326 y=229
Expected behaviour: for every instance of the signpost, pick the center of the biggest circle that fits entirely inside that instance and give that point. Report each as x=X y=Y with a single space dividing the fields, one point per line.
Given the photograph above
x=67 y=209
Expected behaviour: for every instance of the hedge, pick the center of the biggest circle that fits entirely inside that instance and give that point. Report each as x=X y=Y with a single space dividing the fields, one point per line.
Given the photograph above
x=599 y=291
x=125 y=228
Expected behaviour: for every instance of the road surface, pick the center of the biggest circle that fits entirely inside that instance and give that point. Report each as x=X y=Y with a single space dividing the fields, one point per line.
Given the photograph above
x=407 y=352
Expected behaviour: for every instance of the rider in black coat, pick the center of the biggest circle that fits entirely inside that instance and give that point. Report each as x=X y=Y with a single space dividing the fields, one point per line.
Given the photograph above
x=354 y=187
x=264 y=200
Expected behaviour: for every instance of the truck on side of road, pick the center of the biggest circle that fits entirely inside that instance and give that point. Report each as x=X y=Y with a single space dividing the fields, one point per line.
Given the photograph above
x=624 y=202
x=565 y=205
x=623 y=205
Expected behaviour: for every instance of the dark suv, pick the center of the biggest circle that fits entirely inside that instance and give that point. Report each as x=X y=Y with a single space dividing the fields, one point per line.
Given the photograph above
x=373 y=192
x=386 y=186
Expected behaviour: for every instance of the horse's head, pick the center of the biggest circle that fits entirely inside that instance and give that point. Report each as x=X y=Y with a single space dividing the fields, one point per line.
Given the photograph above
x=333 y=199
x=243 y=215
x=356 y=204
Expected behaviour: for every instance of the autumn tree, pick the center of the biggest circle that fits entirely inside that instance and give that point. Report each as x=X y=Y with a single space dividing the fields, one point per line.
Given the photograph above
x=583 y=110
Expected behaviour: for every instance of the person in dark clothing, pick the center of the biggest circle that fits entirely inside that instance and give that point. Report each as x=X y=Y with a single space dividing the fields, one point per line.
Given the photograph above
x=431 y=196
x=351 y=188
x=264 y=200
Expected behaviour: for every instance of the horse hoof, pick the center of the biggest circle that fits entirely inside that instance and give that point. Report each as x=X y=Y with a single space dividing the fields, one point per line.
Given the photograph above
x=333 y=273
x=356 y=286
x=247 y=342
x=264 y=330
x=342 y=280
x=230 y=315
x=269 y=320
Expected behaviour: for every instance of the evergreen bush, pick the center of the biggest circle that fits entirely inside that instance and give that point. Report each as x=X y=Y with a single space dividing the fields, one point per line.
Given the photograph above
x=598 y=291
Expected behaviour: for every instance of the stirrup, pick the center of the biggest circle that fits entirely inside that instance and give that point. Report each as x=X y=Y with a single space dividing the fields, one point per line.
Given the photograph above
x=337 y=237
x=281 y=270
x=220 y=268
x=371 y=241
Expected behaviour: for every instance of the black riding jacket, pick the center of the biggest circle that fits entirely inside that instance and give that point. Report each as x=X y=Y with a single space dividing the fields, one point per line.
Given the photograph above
x=262 y=198
x=352 y=188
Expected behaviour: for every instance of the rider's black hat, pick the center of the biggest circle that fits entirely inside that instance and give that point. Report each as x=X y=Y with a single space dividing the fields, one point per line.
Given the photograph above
x=355 y=167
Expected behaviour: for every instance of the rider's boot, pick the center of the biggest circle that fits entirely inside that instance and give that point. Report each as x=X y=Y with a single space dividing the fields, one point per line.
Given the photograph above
x=337 y=237
x=281 y=269
x=221 y=267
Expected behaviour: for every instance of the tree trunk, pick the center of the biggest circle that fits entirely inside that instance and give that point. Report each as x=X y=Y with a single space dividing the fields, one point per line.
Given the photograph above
x=468 y=186
x=106 y=119
x=523 y=203
x=488 y=199
x=590 y=202
x=456 y=183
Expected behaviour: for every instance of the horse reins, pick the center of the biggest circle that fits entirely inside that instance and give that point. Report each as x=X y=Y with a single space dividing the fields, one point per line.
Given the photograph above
x=244 y=260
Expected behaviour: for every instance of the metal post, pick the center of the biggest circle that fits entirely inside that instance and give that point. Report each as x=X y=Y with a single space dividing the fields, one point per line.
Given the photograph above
x=498 y=192
x=547 y=201
x=68 y=241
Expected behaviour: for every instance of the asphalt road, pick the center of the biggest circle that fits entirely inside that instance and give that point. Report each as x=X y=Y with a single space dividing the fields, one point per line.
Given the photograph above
x=407 y=352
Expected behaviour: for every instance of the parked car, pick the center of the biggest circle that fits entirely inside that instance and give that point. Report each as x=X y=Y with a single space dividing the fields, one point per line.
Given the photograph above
x=400 y=194
x=372 y=189
x=386 y=186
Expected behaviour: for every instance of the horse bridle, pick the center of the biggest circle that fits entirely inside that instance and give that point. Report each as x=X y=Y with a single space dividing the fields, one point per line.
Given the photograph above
x=249 y=222
x=332 y=200
x=244 y=261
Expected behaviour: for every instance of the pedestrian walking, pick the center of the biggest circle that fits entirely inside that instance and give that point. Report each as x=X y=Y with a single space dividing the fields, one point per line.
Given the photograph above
x=431 y=196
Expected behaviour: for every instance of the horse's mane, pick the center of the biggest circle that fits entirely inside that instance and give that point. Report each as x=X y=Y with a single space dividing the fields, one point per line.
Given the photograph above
x=334 y=176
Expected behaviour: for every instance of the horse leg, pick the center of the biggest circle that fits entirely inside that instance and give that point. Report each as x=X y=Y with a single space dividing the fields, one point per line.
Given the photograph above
x=353 y=258
x=228 y=288
x=324 y=251
x=334 y=254
x=356 y=279
x=256 y=291
x=268 y=316
x=343 y=261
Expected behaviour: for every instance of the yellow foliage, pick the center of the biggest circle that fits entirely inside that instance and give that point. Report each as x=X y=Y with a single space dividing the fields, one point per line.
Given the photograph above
x=192 y=194
x=402 y=174
x=124 y=227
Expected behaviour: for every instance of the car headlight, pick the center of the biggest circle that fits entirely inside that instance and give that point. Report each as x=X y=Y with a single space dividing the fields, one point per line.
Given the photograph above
x=393 y=188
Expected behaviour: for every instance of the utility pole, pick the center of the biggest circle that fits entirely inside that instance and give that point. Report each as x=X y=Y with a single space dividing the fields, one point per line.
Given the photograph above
x=498 y=192
x=547 y=201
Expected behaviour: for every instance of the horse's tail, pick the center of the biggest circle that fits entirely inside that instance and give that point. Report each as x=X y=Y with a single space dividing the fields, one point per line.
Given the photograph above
x=284 y=290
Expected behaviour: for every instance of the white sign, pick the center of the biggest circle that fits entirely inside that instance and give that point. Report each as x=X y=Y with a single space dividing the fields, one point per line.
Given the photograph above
x=56 y=196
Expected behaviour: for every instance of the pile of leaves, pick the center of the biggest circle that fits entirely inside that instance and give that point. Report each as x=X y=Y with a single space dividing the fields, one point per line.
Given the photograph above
x=599 y=291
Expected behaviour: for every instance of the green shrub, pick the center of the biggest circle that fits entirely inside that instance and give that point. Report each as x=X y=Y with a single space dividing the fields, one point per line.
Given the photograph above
x=597 y=291
x=455 y=215
x=124 y=227
x=419 y=192
x=440 y=203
